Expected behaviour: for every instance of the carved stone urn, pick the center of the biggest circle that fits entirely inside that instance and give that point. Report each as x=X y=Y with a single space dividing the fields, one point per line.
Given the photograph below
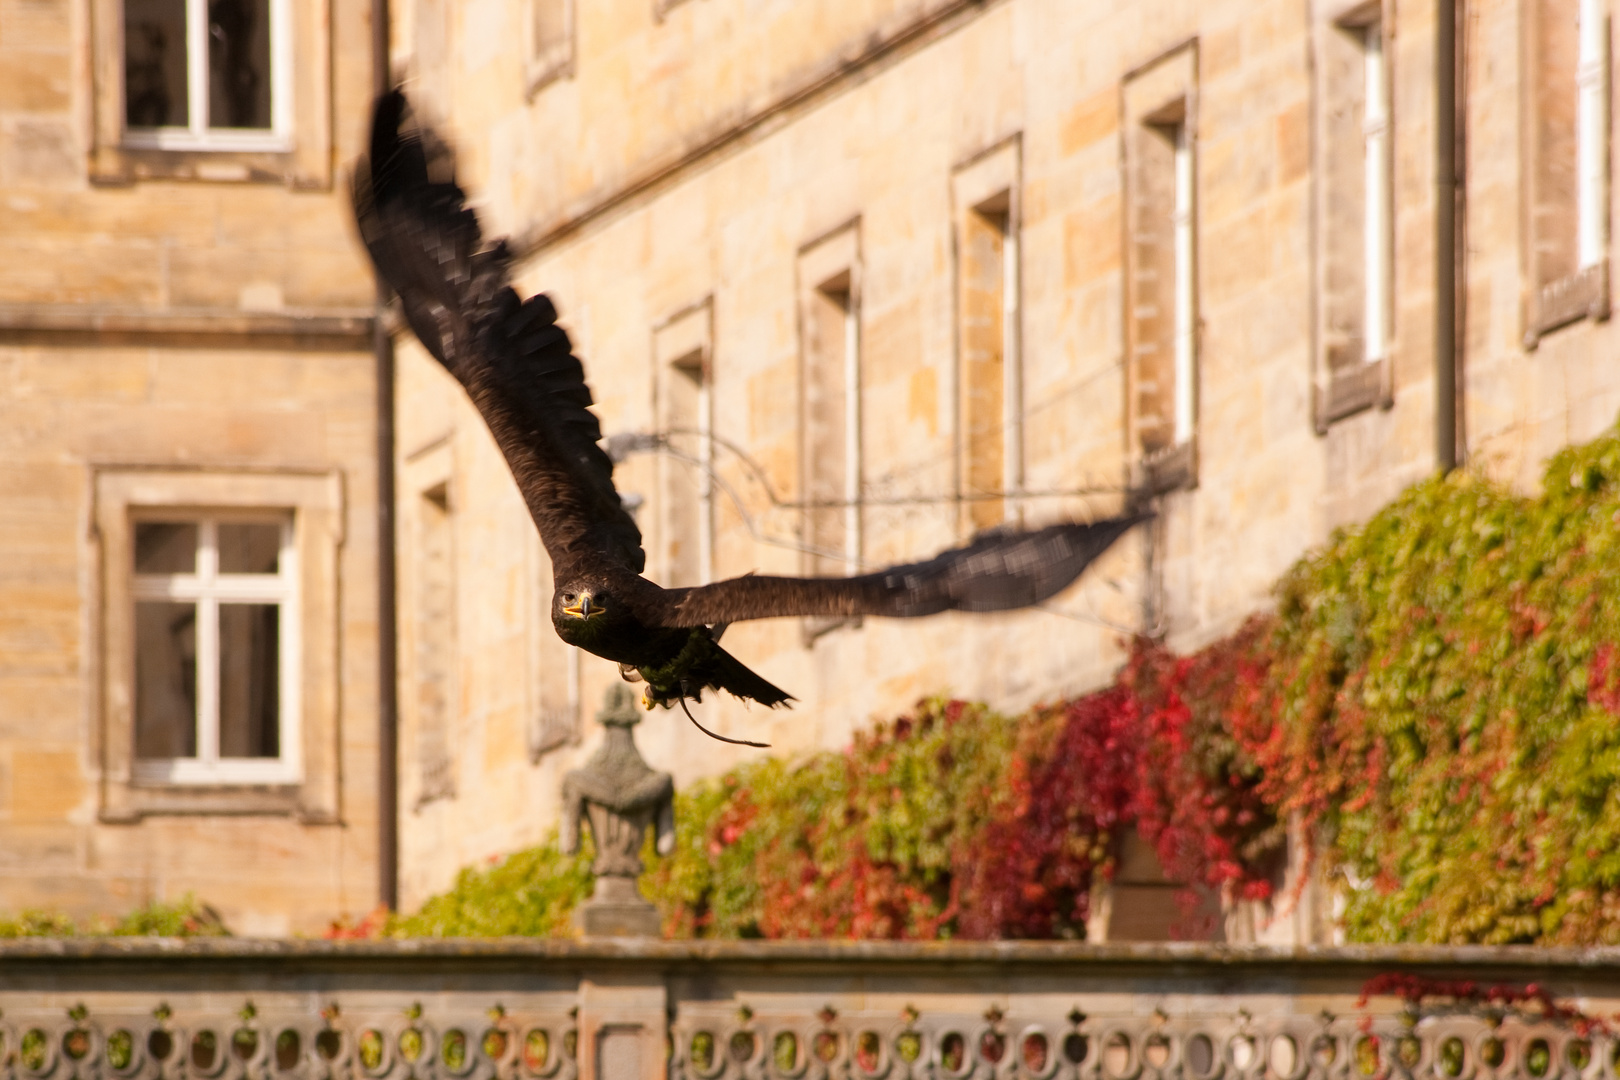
x=619 y=795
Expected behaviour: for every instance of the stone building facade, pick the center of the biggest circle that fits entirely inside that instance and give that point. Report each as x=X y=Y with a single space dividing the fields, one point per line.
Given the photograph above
x=188 y=605
x=851 y=282
x=874 y=276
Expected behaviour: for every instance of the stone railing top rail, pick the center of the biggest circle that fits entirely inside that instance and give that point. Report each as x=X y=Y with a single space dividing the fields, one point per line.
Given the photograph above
x=639 y=1009
x=640 y=951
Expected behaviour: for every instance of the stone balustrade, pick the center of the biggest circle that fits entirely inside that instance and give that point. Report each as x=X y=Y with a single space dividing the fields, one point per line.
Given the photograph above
x=638 y=1010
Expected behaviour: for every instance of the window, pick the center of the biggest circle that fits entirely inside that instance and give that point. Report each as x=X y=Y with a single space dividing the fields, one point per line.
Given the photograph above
x=830 y=410
x=1161 y=294
x=551 y=42
x=830 y=422
x=435 y=633
x=219 y=647
x=215 y=682
x=203 y=74
x=1354 y=271
x=989 y=369
x=681 y=350
x=553 y=705
x=1567 y=171
x=211 y=89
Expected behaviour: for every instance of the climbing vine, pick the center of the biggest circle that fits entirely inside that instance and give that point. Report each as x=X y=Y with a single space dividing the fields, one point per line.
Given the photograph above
x=185 y=917
x=1440 y=709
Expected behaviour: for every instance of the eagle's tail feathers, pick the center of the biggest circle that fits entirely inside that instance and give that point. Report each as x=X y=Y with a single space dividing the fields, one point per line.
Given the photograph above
x=732 y=676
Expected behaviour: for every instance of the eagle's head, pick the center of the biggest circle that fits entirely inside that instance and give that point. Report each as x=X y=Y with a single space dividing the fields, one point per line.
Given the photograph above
x=586 y=614
x=580 y=602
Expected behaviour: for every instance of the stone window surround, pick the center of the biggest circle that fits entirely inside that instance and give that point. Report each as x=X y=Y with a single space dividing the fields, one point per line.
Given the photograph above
x=1551 y=302
x=303 y=159
x=1162 y=92
x=834 y=256
x=552 y=700
x=1349 y=389
x=548 y=62
x=684 y=335
x=424 y=470
x=992 y=177
x=316 y=502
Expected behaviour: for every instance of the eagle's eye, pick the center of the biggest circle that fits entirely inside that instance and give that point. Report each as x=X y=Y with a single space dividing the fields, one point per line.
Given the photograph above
x=568 y=598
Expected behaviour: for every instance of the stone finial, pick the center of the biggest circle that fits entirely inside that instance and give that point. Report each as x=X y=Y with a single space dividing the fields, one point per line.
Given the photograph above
x=619 y=707
x=619 y=795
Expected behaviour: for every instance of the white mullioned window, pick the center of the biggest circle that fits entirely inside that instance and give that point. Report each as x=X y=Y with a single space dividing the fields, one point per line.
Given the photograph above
x=1186 y=308
x=216 y=629
x=1375 y=195
x=207 y=74
x=1591 y=130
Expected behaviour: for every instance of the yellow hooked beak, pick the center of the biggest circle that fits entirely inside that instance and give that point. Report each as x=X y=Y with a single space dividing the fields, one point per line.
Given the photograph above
x=584 y=609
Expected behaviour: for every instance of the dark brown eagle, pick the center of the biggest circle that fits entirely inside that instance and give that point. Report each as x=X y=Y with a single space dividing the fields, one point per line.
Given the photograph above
x=516 y=365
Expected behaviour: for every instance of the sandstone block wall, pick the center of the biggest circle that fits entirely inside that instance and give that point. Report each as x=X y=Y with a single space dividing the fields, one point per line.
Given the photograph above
x=188 y=327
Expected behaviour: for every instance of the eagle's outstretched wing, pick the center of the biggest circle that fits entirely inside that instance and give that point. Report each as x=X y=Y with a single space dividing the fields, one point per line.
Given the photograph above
x=513 y=359
x=996 y=572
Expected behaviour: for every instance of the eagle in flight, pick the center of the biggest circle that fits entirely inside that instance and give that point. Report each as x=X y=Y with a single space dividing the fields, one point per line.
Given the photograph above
x=516 y=365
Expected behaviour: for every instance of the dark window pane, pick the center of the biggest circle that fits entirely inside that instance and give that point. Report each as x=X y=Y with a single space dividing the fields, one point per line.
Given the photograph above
x=165 y=679
x=249 y=681
x=249 y=549
x=155 y=63
x=239 y=63
x=165 y=547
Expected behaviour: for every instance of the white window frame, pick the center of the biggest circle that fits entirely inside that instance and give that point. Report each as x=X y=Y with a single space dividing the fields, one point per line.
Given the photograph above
x=208 y=588
x=1012 y=370
x=1186 y=307
x=197 y=134
x=852 y=426
x=1376 y=253
x=1591 y=135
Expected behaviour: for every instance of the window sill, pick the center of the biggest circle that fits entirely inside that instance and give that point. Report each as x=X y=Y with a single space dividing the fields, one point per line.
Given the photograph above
x=554 y=65
x=1174 y=468
x=662 y=8
x=1351 y=390
x=139 y=801
x=550 y=731
x=187 y=774
x=819 y=626
x=1583 y=294
x=233 y=141
x=268 y=162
